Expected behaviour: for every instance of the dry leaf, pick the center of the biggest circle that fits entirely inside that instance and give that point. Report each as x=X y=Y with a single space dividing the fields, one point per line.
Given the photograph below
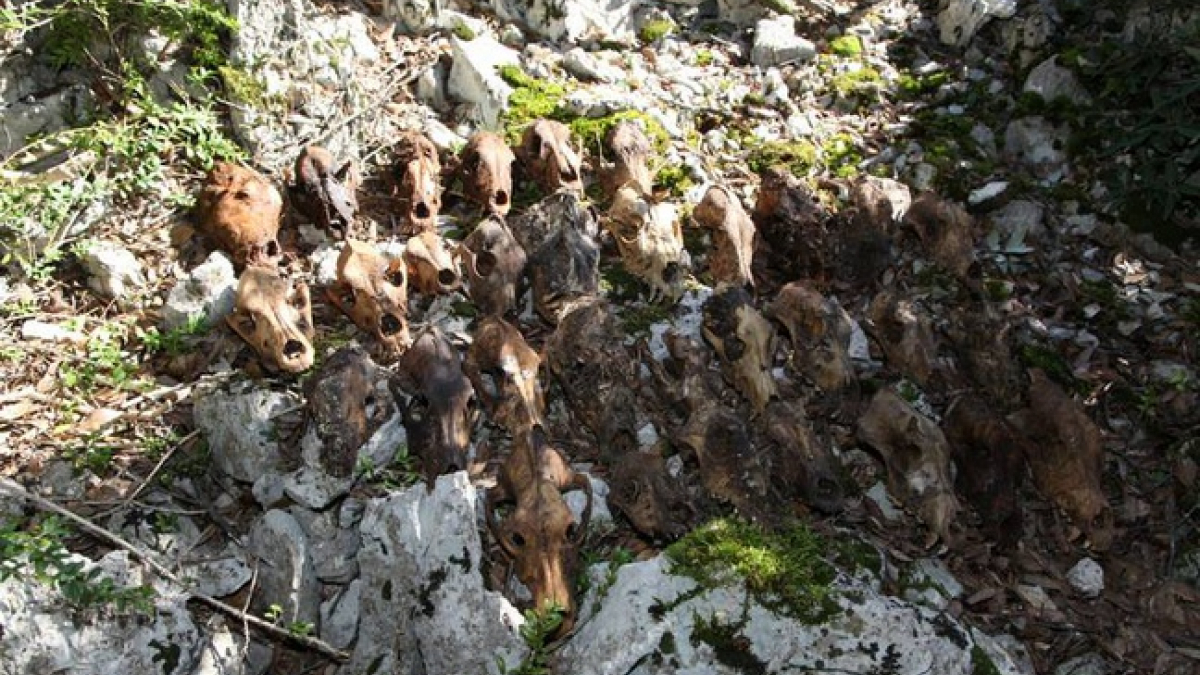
x=97 y=420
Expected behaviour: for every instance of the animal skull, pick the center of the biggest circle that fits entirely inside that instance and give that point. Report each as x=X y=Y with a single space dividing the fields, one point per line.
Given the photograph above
x=487 y=172
x=348 y=401
x=514 y=397
x=820 y=331
x=418 y=171
x=324 y=193
x=540 y=535
x=493 y=262
x=803 y=465
x=430 y=265
x=439 y=414
x=631 y=153
x=650 y=241
x=239 y=210
x=732 y=234
x=373 y=291
x=745 y=341
x=548 y=157
x=274 y=316
x=566 y=265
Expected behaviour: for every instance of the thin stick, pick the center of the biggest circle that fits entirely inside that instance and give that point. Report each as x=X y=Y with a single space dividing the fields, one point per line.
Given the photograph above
x=163 y=460
x=11 y=488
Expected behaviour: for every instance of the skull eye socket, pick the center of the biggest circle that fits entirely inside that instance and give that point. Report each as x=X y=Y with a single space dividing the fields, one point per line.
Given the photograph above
x=390 y=325
x=735 y=348
x=272 y=248
x=349 y=298
x=572 y=530
x=517 y=540
x=299 y=299
x=447 y=277
x=417 y=408
x=396 y=277
x=246 y=323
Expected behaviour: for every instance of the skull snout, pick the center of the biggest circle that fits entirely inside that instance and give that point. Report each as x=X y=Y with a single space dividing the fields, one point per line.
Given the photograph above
x=295 y=355
x=422 y=210
x=292 y=349
x=500 y=198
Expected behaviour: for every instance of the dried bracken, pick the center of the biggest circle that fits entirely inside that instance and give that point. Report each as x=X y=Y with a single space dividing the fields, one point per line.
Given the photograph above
x=539 y=535
x=745 y=341
x=486 y=172
x=418 y=175
x=325 y=193
x=274 y=316
x=512 y=395
x=548 y=157
x=431 y=268
x=239 y=211
x=440 y=406
x=494 y=264
x=917 y=457
x=373 y=291
x=721 y=212
x=650 y=240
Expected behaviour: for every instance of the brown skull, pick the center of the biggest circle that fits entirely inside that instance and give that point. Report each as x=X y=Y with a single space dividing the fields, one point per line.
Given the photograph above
x=487 y=172
x=650 y=240
x=438 y=416
x=904 y=330
x=989 y=454
x=348 y=401
x=373 y=291
x=513 y=398
x=745 y=341
x=820 y=331
x=732 y=234
x=559 y=234
x=239 y=210
x=630 y=153
x=493 y=262
x=418 y=172
x=324 y=193
x=430 y=266
x=274 y=316
x=803 y=465
x=540 y=535
x=548 y=158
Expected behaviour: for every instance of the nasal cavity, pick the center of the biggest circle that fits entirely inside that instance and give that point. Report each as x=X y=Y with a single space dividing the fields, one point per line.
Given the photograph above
x=390 y=325
x=501 y=198
x=447 y=277
x=272 y=248
x=293 y=348
x=422 y=210
x=568 y=174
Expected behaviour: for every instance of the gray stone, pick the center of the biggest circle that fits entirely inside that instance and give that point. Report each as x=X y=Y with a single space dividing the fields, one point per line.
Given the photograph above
x=424 y=607
x=1021 y=216
x=1087 y=577
x=208 y=292
x=650 y=618
x=776 y=43
x=1038 y=145
x=587 y=66
x=473 y=78
x=41 y=116
x=1052 y=82
x=572 y=21
x=334 y=549
x=339 y=616
x=59 y=480
x=928 y=582
x=112 y=269
x=746 y=12
x=576 y=501
x=961 y=19
x=218 y=576
x=1088 y=664
x=414 y=17
x=44 y=634
x=238 y=424
x=286 y=576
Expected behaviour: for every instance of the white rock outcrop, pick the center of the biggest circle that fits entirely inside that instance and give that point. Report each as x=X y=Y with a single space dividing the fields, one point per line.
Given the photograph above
x=961 y=19
x=112 y=270
x=474 y=78
x=776 y=42
x=208 y=293
x=573 y=21
x=238 y=425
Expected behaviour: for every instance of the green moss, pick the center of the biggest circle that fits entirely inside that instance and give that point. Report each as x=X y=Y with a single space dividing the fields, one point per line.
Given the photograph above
x=654 y=30
x=856 y=554
x=637 y=320
x=617 y=284
x=592 y=130
x=1050 y=362
x=785 y=571
x=981 y=663
x=846 y=45
x=463 y=32
x=842 y=155
x=798 y=156
x=673 y=178
x=704 y=57
x=911 y=87
x=530 y=100
x=858 y=88
x=244 y=87
x=730 y=646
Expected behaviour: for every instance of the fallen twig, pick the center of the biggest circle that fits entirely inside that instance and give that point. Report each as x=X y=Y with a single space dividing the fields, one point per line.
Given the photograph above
x=11 y=488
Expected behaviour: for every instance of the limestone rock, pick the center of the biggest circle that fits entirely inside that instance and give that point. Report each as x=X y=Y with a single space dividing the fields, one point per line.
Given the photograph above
x=339 y=616
x=1051 y=81
x=572 y=21
x=414 y=17
x=1039 y=145
x=238 y=426
x=961 y=19
x=287 y=578
x=208 y=292
x=776 y=42
x=473 y=78
x=112 y=270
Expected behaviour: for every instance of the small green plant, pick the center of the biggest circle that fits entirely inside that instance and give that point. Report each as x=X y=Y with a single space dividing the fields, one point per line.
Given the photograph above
x=530 y=100
x=799 y=157
x=654 y=30
x=176 y=341
x=784 y=570
x=400 y=473
x=841 y=155
x=104 y=365
x=592 y=130
x=39 y=548
x=704 y=57
x=92 y=455
x=846 y=45
x=539 y=627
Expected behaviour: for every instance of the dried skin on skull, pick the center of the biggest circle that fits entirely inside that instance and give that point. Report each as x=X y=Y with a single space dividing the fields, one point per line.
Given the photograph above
x=990 y=457
x=548 y=158
x=348 y=401
x=325 y=193
x=745 y=341
x=630 y=151
x=947 y=231
x=419 y=192
x=802 y=464
x=820 y=332
x=239 y=210
x=373 y=291
x=905 y=333
x=791 y=223
x=438 y=415
x=431 y=268
x=540 y=535
x=650 y=240
x=274 y=316
x=733 y=234
x=486 y=172
x=493 y=262
x=917 y=458
x=565 y=268
x=512 y=395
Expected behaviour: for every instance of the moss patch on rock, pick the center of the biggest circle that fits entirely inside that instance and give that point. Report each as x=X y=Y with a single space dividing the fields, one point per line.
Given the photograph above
x=592 y=130
x=798 y=156
x=531 y=99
